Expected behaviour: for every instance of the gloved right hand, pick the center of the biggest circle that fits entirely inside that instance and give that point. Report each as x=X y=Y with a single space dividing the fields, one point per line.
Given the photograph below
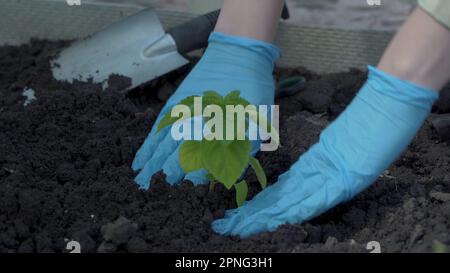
x=229 y=63
x=352 y=152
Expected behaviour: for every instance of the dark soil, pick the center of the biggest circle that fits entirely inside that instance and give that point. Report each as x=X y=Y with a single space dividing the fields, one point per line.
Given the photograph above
x=65 y=172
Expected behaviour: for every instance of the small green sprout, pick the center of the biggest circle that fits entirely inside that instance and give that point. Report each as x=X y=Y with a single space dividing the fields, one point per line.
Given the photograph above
x=439 y=247
x=225 y=160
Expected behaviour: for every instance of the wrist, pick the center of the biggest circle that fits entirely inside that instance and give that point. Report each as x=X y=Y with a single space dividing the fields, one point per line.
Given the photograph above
x=250 y=18
x=426 y=61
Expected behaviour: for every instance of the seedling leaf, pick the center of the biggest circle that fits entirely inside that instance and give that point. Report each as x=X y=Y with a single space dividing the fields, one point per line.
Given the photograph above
x=241 y=192
x=168 y=120
x=210 y=177
x=191 y=156
x=234 y=98
x=226 y=160
x=259 y=171
x=439 y=247
x=212 y=98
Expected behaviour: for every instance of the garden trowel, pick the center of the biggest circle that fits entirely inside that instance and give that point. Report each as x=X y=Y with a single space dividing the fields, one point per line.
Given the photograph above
x=137 y=47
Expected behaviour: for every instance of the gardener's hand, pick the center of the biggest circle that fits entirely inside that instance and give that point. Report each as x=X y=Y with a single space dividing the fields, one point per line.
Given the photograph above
x=229 y=63
x=352 y=152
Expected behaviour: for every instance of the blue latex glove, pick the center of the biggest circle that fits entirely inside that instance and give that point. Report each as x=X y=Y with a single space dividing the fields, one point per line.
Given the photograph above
x=352 y=152
x=229 y=63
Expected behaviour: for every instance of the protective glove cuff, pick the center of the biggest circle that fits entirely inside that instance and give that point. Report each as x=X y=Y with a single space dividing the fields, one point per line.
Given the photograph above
x=401 y=90
x=270 y=51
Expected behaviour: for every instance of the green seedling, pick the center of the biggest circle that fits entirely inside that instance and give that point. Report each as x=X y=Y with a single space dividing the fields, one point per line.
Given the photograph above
x=224 y=160
x=439 y=247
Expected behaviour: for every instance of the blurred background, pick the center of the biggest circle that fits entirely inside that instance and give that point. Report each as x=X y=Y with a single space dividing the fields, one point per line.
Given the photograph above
x=348 y=14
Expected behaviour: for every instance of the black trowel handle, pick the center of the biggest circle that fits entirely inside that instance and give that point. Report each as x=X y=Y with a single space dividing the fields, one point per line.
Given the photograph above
x=195 y=33
x=286 y=14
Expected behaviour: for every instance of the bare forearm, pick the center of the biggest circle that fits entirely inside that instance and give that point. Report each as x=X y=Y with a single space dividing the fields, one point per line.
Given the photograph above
x=420 y=52
x=257 y=19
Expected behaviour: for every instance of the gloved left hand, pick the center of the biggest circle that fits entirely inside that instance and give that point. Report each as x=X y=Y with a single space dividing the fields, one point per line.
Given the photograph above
x=229 y=63
x=352 y=152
